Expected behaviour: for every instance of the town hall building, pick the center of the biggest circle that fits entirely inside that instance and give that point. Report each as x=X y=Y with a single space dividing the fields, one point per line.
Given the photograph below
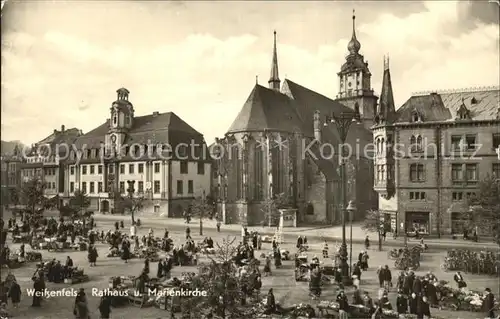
x=157 y=156
x=276 y=147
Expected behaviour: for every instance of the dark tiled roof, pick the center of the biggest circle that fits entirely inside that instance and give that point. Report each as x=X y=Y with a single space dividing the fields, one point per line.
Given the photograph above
x=58 y=138
x=158 y=128
x=308 y=101
x=386 y=101
x=354 y=63
x=483 y=105
x=8 y=147
x=267 y=109
x=430 y=107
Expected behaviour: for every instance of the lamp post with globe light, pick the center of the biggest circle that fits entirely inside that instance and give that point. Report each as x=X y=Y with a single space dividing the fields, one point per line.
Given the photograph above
x=342 y=123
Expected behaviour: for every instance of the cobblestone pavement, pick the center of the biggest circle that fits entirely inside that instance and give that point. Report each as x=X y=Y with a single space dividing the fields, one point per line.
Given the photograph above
x=286 y=289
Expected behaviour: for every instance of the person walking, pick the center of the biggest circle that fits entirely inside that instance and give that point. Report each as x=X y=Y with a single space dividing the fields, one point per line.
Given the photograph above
x=15 y=294
x=105 y=307
x=81 y=309
x=489 y=303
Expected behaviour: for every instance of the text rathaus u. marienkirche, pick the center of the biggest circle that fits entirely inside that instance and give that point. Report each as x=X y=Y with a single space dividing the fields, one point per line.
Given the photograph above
x=275 y=130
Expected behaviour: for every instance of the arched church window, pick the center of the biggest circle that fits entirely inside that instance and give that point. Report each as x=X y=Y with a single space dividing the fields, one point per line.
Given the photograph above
x=115 y=119
x=382 y=146
x=378 y=146
x=127 y=120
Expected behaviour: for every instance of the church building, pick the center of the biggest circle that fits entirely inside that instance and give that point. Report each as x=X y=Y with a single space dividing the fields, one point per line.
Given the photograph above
x=280 y=145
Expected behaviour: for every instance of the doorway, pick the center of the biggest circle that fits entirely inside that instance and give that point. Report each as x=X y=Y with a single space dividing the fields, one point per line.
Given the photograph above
x=105 y=206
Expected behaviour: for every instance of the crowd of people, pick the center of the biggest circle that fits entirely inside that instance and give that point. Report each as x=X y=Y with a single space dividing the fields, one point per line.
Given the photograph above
x=415 y=294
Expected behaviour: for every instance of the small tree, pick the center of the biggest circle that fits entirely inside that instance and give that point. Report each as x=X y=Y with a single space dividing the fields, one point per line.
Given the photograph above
x=484 y=207
x=32 y=193
x=270 y=208
x=79 y=202
x=132 y=203
x=202 y=207
x=219 y=278
x=14 y=196
x=374 y=223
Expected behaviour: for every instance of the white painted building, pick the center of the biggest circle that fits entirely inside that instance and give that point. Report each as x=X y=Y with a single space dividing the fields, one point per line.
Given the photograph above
x=154 y=152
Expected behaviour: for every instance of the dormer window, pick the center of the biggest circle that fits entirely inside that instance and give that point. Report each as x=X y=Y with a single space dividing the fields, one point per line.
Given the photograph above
x=473 y=100
x=463 y=113
x=416 y=117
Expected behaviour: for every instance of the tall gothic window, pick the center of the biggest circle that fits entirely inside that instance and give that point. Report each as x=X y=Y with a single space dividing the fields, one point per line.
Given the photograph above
x=238 y=170
x=258 y=172
x=276 y=170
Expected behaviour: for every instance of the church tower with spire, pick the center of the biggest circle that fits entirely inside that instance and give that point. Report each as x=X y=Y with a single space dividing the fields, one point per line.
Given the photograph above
x=355 y=81
x=274 y=79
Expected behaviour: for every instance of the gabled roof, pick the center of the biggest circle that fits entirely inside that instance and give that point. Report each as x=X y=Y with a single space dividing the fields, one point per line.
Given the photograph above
x=66 y=137
x=482 y=105
x=267 y=109
x=308 y=101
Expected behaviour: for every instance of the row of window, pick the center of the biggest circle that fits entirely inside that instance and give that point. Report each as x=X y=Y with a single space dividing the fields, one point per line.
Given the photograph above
x=51 y=185
x=458 y=196
x=140 y=187
x=50 y=171
x=417 y=196
x=136 y=151
x=91 y=169
x=459 y=172
x=467 y=142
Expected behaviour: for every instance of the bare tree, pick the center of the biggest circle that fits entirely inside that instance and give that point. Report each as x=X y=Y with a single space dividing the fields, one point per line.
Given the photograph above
x=374 y=223
x=32 y=193
x=271 y=207
x=132 y=203
x=484 y=208
x=219 y=278
x=79 y=201
x=202 y=207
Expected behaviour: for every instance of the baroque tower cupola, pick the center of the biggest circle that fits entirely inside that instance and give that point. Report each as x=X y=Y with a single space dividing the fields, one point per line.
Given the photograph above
x=355 y=81
x=122 y=119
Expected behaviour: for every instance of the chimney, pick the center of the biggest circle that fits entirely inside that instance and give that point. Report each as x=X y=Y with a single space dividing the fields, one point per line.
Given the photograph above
x=62 y=128
x=55 y=131
x=317 y=126
x=156 y=113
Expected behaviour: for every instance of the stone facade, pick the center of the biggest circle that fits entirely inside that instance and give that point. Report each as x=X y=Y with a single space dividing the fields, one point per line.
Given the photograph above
x=433 y=176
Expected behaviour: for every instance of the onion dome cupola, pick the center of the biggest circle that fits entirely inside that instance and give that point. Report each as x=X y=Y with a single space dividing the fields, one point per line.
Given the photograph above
x=353 y=46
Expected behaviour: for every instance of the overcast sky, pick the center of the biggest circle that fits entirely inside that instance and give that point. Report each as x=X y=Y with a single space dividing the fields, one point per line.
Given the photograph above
x=62 y=61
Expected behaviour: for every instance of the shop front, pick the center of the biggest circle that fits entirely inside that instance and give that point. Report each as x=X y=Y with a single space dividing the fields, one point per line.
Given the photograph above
x=418 y=221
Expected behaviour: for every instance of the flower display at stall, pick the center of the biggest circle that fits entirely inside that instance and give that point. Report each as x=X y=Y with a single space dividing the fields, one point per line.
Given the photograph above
x=458 y=299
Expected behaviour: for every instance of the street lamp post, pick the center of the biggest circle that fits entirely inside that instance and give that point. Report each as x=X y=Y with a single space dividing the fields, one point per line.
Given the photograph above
x=351 y=208
x=130 y=191
x=343 y=122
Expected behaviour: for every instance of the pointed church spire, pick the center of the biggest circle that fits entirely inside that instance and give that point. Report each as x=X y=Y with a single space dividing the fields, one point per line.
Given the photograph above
x=386 y=109
x=354 y=45
x=274 y=80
